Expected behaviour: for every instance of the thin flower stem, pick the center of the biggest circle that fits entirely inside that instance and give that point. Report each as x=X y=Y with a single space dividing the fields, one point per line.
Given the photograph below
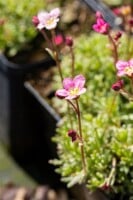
x=81 y=137
x=131 y=82
x=115 y=53
x=46 y=38
x=112 y=104
x=126 y=94
x=73 y=60
x=70 y=116
x=74 y=107
x=56 y=56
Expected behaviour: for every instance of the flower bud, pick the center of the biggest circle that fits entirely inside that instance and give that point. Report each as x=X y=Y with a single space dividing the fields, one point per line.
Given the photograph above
x=130 y=22
x=35 y=20
x=58 y=39
x=118 y=35
x=118 y=85
x=69 y=41
x=98 y=14
x=72 y=134
x=105 y=186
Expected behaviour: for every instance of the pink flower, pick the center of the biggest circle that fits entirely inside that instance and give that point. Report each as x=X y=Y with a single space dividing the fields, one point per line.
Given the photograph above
x=118 y=85
x=48 y=20
x=125 y=68
x=72 y=88
x=101 y=26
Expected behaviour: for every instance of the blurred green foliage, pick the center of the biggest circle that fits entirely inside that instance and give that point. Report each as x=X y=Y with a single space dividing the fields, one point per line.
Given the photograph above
x=17 y=28
x=107 y=119
x=113 y=2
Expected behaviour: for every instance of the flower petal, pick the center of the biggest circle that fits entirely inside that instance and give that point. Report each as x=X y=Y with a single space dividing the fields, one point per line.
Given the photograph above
x=79 y=81
x=68 y=83
x=40 y=26
x=61 y=93
x=55 y=12
x=120 y=65
x=42 y=15
x=70 y=97
x=131 y=62
x=121 y=73
x=83 y=90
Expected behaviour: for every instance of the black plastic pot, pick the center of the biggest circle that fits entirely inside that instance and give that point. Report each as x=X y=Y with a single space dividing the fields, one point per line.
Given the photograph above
x=27 y=122
x=81 y=192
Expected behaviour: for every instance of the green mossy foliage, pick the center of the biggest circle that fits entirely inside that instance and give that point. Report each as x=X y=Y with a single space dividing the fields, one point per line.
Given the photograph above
x=17 y=28
x=107 y=119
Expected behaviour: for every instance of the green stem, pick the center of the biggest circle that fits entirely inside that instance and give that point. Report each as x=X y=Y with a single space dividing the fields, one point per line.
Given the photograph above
x=111 y=176
x=80 y=134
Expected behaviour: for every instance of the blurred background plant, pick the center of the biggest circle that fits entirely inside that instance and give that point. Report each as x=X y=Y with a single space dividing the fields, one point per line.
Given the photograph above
x=16 y=29
x=113 y=2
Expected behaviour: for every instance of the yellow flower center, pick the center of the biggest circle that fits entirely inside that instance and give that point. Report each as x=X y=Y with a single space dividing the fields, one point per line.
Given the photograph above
x=50 y=21
x=129 y=71
x=74 y=91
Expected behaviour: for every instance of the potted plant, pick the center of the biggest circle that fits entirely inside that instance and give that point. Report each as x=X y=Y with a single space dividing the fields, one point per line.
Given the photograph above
x=94 y=139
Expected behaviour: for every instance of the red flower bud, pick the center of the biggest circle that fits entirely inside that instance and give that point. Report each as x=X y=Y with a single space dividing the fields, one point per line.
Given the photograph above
x=105 y=186
x=69 y=41
x=58 y=39
x=118 y=35
x=130 y=22
x=72 y=134
x=118 y=85
x=35 y=20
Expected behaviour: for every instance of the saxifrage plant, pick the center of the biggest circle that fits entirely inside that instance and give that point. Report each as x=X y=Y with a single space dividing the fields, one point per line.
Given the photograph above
x=94 y=139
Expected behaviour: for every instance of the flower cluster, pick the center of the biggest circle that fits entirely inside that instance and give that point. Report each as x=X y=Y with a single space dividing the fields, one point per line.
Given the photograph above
x=123 y=68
